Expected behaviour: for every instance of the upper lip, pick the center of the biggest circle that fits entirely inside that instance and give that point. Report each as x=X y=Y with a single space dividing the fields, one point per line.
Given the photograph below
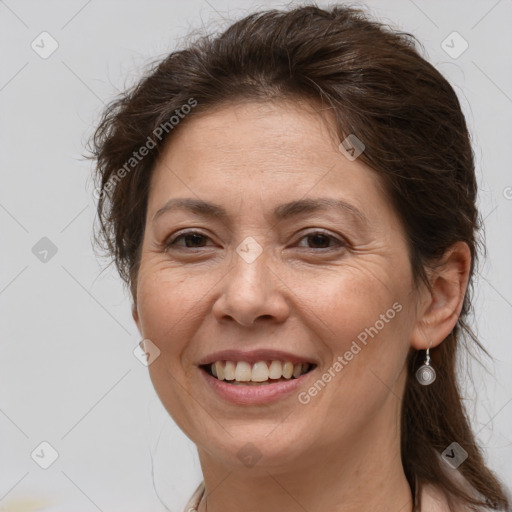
x=253 y=356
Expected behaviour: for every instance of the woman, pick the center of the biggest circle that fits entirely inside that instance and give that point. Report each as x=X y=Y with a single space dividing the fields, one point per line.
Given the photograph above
x=292 y=204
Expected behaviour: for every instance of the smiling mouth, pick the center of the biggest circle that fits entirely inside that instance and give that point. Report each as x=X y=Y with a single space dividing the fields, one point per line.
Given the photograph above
x=259 y=373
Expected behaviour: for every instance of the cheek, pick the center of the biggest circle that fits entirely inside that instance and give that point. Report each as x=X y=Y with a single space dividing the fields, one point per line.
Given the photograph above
x=167 y=305
x=351 y=300
x=362 y=320
x=364 y=376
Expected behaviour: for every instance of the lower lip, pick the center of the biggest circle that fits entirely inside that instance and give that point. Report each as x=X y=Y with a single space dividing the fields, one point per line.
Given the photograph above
x=254 y=395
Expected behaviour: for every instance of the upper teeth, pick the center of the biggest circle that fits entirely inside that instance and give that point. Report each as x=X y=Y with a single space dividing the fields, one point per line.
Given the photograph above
x=261 y=371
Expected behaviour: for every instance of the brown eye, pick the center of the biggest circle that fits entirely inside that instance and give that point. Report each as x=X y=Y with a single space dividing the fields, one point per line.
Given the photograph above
x=321 y=240
x=193 y=239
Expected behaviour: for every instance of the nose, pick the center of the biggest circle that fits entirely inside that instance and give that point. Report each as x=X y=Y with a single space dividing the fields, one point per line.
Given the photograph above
x=252 y=292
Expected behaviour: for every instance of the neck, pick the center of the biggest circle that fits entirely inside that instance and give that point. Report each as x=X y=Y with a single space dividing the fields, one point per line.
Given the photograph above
x=365 y=474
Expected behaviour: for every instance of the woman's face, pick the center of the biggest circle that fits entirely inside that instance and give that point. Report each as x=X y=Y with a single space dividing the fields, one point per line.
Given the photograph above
x=295 y=256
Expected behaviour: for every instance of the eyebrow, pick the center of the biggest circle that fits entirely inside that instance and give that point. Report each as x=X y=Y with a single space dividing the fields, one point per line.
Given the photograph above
x=281 y=212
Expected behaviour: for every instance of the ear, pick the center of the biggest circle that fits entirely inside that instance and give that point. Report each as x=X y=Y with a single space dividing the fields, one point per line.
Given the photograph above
x=440 y=307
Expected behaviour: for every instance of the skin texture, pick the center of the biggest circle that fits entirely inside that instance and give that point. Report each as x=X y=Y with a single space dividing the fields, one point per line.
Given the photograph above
x=306 y=295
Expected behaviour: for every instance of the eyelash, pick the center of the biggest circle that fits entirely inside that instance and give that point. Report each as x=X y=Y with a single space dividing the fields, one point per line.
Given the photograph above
x=171 y=241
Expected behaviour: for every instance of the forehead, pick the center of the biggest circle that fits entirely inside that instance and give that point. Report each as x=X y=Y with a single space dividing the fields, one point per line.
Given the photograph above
x=239 y=125
x=277 y=151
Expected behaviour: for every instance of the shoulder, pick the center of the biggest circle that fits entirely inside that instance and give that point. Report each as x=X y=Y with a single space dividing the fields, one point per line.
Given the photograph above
x=434 y=499
x=193 y=502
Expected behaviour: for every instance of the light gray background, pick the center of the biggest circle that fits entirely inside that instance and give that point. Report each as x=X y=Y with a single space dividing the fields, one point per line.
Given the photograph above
x=67 y=372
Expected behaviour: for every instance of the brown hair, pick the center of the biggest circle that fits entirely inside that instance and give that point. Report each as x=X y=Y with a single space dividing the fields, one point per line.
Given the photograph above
x=410 y=120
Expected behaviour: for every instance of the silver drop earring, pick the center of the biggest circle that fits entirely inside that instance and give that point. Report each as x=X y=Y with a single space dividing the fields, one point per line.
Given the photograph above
x=426 y=374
